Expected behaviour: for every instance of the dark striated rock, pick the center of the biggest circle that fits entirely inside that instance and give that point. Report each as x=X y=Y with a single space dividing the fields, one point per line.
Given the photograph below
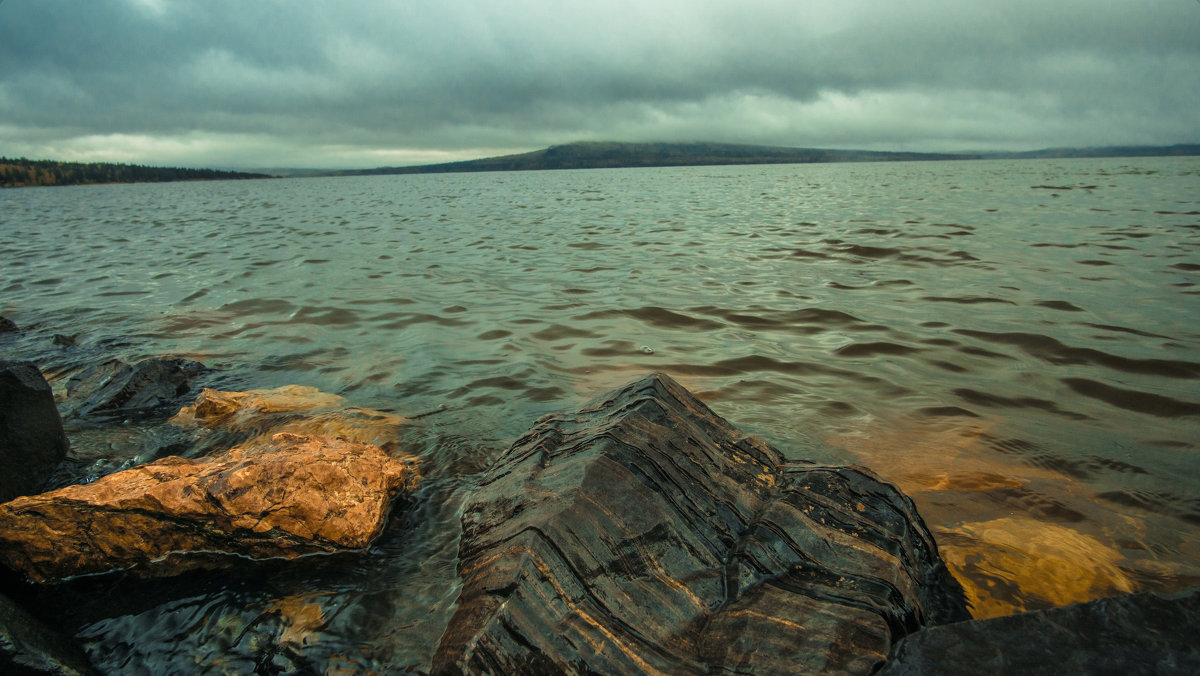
x=29 y=647
x=7 y=325
x=299 y=495
x=32 y=441
x=115 y=388
x=645 y=534
x=1133 y=634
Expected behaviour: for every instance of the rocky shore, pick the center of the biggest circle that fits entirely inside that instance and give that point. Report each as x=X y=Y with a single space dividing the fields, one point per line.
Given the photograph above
x=642 y=533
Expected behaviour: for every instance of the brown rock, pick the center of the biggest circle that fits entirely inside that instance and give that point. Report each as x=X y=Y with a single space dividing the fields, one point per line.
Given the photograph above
x=298 y=495
x=254 y=416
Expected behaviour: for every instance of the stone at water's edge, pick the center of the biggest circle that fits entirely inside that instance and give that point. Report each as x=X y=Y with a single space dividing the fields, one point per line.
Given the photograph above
x=299 y=495
x=645 y=534
x=1134 y=634
x=115 y=388
x=32 y=441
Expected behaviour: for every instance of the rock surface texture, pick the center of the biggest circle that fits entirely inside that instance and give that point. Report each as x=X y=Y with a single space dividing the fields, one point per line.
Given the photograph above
x=115 y=388
x=645 y=534
x=300 y=495
x=32 y=441
x=1133 y=634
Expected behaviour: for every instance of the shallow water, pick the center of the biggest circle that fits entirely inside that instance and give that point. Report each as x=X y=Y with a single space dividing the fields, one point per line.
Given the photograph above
x=1015 y=343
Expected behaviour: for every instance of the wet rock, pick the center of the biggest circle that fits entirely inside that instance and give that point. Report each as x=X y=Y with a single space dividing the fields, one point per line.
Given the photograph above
x=7 y=325
x=115 y=388
x=646 y=534
x=32 y=442
x=64 y=340
x=1133 y=634
x=254 y=416
x=300 y=495
x=29 y=647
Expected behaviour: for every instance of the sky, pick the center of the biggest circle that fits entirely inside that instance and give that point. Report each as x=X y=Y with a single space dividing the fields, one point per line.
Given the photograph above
x=368 y=83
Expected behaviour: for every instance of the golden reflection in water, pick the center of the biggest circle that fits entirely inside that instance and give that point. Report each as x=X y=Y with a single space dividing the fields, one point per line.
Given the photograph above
x=1013 y=534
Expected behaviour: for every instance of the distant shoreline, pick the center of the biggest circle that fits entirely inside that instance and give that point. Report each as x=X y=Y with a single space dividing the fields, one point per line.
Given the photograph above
x=24 y=173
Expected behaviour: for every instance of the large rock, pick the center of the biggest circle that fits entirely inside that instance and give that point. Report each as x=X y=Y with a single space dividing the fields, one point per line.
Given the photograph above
x=115 y=388
x=301 y=495
x=32 y=441
x=1133 y=634
x=645 y=534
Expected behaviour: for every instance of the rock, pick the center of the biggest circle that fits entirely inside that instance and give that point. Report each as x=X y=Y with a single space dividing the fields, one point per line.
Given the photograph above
x=7 y=325
x=64 y=340
x=254 y=416
x=115 y=388
x=32 y=442
x=1144 y=633
x=645 y=534
x=301 y=495
x=29 y=647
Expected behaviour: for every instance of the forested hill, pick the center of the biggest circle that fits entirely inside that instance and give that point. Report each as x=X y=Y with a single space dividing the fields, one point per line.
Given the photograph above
x=16 y=173
x=603 y=155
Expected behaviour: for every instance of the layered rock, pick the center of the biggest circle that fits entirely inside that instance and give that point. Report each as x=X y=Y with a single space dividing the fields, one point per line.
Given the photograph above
x=115 y=388
x=1133 y=634
x=645 y=534
x=298 y=495
x=32 y=442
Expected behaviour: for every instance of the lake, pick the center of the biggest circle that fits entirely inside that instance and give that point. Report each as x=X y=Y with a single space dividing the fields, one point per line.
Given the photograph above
x=1016 y=344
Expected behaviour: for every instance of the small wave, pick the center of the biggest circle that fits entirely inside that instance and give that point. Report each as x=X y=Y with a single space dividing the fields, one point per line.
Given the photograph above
x=1050 y=350
x=966 y=300
x=996 y=401
x=1059 y=305
x=1187 y=509
x=875 y=349
x=1133 y=400
x=658 y=317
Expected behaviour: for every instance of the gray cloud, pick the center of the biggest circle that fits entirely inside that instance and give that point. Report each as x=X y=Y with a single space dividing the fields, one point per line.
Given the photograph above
x=358 y=84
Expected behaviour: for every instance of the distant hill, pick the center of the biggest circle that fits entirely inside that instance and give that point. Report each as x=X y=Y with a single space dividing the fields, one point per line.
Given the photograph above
x=20 y=172
x=602 y=155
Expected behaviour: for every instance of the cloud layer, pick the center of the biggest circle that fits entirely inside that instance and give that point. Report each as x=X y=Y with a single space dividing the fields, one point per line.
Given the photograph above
x=367 y=83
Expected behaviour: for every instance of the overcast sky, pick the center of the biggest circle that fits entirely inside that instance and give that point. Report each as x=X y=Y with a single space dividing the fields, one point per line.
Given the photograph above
x=365 y=83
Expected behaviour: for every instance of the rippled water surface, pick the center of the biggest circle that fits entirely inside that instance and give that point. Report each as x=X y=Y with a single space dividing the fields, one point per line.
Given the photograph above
x=1015 y=343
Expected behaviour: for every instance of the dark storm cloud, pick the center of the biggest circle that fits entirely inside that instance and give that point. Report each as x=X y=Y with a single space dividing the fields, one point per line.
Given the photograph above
x=350 y=83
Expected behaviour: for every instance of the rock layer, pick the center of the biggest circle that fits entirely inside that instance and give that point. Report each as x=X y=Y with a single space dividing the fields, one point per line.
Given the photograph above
x=32 y=441
x=300 y=495
x=645 y=534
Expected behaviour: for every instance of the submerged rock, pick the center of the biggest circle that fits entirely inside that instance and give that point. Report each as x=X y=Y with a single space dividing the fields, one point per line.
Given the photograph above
x=299 y=495
x=29 y=647
x=115 y=388
x=32 y=441
x=1133 y=634
x=645 y=534
x=254 y=416
x=7 y=325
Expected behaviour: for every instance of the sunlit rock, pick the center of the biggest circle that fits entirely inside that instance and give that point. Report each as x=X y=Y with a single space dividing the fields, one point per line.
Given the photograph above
x=32 y=441
x=298 y=495
x=257 y=415
x=645 y=534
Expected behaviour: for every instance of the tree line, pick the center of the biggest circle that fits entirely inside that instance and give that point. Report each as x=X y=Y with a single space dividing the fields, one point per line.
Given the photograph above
x=21 y=172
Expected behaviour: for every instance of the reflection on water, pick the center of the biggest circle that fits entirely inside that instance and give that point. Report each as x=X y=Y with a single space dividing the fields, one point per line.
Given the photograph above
x=1024 y=361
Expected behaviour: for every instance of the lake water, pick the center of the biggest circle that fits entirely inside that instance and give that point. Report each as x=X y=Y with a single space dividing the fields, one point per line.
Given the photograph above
x=1014 y=343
